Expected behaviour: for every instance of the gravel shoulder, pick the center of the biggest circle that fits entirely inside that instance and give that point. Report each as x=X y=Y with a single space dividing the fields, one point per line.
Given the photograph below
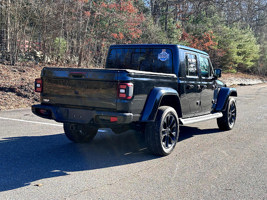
x=242 y=79
x=17 y=84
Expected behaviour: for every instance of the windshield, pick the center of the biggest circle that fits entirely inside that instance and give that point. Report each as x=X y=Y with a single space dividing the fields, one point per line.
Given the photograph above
x=146 y=59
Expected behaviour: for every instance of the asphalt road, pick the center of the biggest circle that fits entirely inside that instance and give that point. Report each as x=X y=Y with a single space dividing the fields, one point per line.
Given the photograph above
x=38 y=162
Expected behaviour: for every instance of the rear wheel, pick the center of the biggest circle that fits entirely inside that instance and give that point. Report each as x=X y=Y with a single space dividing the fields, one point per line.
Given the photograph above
x=162 y=135
x=80 y=133
x=227 y=121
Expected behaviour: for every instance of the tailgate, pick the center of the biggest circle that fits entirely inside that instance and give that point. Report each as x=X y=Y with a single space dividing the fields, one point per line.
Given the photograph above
x=93 y=88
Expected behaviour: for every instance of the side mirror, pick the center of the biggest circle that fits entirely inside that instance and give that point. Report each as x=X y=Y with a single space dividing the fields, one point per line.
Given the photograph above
x=217 y=73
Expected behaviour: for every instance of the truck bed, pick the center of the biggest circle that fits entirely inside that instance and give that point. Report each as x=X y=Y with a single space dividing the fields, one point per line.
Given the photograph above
x=97 y=89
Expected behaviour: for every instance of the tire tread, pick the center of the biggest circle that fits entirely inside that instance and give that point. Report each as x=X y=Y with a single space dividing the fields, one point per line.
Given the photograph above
x=222 y=122
x=76 y=137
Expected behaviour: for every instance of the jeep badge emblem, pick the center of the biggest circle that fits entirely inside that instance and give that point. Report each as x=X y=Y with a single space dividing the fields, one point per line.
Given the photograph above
x=163 y=56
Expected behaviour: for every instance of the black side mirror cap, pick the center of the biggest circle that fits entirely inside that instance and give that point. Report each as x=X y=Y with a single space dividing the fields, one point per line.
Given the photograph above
x=217 y=73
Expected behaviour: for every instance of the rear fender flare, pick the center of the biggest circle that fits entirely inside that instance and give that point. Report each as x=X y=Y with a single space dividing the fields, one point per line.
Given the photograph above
x=154 y=101
x=223 y=96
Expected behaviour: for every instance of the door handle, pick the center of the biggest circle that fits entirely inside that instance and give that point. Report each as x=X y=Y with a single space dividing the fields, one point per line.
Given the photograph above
x=189 y=86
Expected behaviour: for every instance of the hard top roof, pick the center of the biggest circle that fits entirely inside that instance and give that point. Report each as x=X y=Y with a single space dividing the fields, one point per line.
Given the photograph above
x=158 y=46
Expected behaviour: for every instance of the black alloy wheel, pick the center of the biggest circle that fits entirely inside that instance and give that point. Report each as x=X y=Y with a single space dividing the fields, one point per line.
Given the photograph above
x=169 y=131
x=162 y=135
x=227 y=121
x=232 y=114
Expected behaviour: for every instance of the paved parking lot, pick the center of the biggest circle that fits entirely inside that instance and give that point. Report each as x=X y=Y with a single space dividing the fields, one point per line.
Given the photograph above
x=38 y=162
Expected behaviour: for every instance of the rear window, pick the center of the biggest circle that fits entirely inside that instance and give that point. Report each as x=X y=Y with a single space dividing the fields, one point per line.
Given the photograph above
x=191 y=64
x=147 y=59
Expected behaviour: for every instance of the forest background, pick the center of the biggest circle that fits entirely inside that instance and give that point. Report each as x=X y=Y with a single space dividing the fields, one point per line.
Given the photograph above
x=79 y=32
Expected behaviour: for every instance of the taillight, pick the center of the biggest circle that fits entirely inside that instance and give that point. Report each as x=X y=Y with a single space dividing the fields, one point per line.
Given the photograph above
x=38 y=85
x=125 y=90
x=44 y=112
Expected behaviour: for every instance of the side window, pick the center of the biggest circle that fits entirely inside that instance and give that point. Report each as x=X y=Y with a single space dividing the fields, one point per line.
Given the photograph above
x=164 y=60
x=191 y=65
x=205 y=66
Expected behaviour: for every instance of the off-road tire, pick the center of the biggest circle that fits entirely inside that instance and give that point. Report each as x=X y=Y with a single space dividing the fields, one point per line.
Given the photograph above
x=227 y=121
x=162 y=135
x=80 y=133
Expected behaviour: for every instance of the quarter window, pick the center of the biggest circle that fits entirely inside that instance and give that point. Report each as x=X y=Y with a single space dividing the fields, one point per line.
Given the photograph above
x=191 y=65
x=205 y=66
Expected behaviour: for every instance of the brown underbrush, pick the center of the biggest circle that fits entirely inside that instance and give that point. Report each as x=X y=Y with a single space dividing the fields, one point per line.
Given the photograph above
x=17 y=84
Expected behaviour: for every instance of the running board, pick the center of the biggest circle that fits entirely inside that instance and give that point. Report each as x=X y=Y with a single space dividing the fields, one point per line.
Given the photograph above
x=201 y=118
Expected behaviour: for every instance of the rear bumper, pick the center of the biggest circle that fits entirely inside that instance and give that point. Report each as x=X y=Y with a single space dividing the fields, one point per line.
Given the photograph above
x=82 y=116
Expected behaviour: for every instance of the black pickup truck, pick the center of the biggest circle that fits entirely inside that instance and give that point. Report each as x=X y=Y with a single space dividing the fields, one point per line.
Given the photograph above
x=149 y=87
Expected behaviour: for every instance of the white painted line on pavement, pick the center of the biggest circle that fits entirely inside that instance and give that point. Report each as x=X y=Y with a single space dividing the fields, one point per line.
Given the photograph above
x=33 y=122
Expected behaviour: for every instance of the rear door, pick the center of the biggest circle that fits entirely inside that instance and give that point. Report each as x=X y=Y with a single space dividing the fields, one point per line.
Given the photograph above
x=192 y=85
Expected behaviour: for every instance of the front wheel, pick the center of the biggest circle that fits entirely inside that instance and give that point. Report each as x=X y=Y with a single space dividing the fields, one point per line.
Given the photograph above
x=80 y=133
x=227 y=121
x=162 y=135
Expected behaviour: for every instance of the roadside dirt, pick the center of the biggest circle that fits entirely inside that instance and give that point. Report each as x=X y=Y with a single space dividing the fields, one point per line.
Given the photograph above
x=241 y=79
x=17 y=84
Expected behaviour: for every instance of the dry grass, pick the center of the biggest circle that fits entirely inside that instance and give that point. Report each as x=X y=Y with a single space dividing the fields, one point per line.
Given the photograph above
x=17 y=84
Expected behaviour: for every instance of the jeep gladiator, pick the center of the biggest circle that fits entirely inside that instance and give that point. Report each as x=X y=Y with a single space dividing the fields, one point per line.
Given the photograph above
x=150 y=87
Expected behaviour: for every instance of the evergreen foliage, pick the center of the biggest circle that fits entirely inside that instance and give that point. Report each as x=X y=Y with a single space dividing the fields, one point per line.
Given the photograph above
x=242 y=50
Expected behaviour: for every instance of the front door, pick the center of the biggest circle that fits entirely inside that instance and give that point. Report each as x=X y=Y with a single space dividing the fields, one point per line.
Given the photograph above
x=207 y=85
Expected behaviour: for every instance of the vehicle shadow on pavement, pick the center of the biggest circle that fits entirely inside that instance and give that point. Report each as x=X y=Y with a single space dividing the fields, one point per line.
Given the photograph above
x=25 y=160
x=28 y=159
x=187 y=132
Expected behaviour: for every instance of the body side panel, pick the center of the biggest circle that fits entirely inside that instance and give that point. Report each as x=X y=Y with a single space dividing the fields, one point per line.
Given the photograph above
x=154 y=100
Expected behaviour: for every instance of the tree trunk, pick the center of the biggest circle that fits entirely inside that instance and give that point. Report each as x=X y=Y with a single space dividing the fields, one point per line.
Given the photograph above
x=166 y=16
x=8 y=27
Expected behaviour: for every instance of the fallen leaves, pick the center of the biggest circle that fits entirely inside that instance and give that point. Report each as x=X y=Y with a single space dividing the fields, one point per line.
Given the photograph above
x=17 y=86
x=38 y=184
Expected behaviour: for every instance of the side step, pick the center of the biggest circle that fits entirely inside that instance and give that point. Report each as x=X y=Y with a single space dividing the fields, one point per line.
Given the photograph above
x=201 y=118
